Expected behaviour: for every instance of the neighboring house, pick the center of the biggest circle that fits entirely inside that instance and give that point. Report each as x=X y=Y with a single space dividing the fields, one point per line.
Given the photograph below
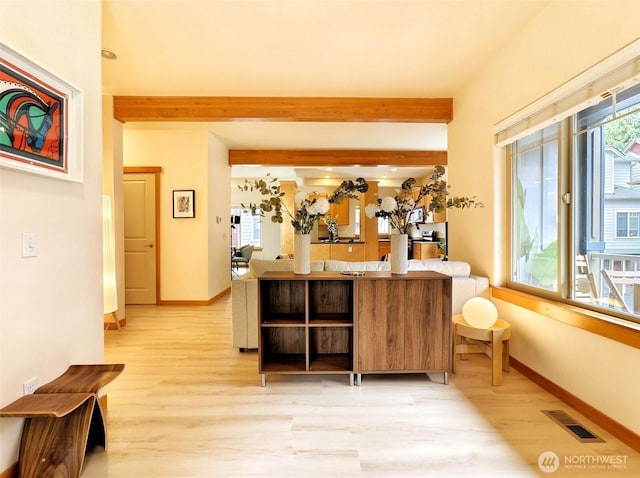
x=621 y=226
x=622 y=199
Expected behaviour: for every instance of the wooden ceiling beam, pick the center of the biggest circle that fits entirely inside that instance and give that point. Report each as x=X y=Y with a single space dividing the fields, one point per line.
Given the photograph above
x=330 y=109
x=335 y=157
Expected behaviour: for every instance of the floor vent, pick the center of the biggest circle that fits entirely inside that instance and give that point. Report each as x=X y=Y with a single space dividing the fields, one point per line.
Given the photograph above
x=579 y=432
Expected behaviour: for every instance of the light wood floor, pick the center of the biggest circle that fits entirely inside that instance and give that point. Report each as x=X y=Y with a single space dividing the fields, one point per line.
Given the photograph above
x=189 y=405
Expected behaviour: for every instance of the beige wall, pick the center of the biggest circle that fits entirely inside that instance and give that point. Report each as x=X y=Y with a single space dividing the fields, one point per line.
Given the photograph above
x=219 y=234
x=51 y=305
x=546 y=53
x=112 y=185
x=193 y=251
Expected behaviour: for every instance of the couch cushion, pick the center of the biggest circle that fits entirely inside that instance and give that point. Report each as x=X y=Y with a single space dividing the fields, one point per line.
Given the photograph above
x=259 y=266
x=337 y=266
x=450 y=268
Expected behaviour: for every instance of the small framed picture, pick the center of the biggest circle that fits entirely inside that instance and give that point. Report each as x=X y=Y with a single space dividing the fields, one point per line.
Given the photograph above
x=184 y=203
x=417 y=215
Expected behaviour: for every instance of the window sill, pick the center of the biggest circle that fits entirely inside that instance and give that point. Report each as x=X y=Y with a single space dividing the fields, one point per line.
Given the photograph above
x=620 y=330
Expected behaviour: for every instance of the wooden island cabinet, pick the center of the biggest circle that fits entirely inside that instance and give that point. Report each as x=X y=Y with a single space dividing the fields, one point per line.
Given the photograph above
x=404 y=323
x=329 y=323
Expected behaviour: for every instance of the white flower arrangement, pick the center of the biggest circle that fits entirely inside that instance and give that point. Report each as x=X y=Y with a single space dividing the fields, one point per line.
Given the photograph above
x=308 y=209
x=398 y=210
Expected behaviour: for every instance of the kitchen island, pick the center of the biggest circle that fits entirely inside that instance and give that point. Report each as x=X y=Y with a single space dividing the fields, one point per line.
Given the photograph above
x=329 y=323
x=344 y=250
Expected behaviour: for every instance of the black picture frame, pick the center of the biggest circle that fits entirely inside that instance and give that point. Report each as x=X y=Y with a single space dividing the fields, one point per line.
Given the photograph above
x=184 y=203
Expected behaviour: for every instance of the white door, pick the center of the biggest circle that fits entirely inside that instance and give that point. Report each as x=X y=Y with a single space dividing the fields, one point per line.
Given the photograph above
x=140 y=238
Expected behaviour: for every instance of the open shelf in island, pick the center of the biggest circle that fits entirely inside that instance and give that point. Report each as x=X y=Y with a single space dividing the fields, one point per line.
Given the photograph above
x=331 y=363
x=284 y=363
x=306 y=324
x=331 y=320
x=279 y=319
x=331 y=349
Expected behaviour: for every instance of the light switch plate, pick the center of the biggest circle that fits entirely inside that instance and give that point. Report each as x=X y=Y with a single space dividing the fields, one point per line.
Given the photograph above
x=29 y=244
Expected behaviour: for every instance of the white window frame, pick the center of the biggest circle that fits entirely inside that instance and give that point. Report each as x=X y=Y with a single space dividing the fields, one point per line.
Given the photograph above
x=247 y=219
x=628 y=212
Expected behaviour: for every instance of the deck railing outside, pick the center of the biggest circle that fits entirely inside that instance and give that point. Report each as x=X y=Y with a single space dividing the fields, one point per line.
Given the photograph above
x=617 y=281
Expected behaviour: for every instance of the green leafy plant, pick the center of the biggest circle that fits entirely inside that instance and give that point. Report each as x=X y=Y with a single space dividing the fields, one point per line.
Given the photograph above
x=308 y=208
x=398 y=209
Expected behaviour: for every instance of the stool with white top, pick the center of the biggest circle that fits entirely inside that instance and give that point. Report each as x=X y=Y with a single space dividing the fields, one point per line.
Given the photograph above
x=494 y=341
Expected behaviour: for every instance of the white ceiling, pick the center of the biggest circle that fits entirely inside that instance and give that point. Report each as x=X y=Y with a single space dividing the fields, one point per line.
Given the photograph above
x=351 y=48
x=292 y=135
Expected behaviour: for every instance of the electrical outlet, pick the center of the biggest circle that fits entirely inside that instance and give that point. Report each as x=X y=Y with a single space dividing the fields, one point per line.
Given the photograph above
x=30 y=386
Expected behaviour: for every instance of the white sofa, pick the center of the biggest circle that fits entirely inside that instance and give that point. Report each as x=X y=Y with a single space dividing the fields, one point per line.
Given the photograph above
x=244 y=289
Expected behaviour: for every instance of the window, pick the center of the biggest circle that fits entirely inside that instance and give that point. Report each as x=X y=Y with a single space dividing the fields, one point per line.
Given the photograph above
x=535 y=212
x=575 y=206
x=627 y=224
x=384 y=227
x=247 y=231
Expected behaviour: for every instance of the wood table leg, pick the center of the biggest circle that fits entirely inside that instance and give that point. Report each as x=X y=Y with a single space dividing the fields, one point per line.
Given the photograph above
x=454 y=342
x=97 y=428
x=496 y=356
x=505 y=355
x=115 y=319
x=55 y=446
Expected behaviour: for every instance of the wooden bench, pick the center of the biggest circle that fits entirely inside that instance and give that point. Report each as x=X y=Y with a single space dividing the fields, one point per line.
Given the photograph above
x=63 y=419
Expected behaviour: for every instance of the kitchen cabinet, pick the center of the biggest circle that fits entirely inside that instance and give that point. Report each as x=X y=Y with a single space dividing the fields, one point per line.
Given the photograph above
x=425 y=250
x=434 y=217
x=341 y=211
x=384 y=248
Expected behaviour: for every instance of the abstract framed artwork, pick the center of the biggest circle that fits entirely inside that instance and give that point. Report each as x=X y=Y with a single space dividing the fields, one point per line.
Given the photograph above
x=40 y=119
x=184 y=203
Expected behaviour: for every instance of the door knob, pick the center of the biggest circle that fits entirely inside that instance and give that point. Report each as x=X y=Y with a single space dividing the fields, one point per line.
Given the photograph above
x=148 y=245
